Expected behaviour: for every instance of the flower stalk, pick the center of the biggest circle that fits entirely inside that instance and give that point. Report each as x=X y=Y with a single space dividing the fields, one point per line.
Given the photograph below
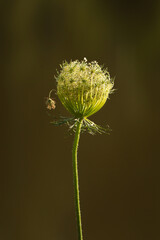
x=76 y=179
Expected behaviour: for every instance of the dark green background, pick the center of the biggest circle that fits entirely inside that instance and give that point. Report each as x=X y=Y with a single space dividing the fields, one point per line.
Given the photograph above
x=118 y=173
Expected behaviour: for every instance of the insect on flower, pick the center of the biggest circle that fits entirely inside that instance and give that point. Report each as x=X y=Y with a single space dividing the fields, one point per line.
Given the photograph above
x=50 y=103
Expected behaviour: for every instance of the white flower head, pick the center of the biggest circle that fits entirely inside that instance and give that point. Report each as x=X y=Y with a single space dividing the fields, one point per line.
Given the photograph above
x=83 y=87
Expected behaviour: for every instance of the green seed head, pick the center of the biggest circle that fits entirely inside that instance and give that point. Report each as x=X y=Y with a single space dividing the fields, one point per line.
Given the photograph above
x=83 y=87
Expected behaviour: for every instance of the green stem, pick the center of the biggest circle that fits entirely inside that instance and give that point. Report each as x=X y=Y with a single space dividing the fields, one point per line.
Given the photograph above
x=75 y=179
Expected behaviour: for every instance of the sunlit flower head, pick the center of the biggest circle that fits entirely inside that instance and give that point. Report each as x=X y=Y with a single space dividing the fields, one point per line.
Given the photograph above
x=83 y=87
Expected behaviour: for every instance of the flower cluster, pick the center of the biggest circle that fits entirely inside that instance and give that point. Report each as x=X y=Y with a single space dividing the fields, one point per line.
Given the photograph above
x=83 y=88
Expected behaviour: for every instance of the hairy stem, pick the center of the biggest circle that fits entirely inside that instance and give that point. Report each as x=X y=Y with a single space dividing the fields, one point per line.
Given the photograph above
x=75 y=179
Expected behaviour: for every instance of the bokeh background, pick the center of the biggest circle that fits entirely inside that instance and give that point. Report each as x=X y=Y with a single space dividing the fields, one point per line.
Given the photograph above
x=119 y=173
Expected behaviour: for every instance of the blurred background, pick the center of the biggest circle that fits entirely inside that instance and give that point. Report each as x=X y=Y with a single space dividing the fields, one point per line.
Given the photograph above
x=119 y=174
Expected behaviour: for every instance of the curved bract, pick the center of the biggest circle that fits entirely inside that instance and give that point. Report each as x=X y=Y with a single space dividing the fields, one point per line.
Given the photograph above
x=83 y=87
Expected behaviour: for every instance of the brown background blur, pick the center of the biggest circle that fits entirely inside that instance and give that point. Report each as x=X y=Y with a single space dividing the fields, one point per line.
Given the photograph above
x=118 y=173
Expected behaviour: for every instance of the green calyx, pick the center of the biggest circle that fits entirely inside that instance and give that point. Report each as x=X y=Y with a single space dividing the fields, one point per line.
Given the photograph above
x=83 y=87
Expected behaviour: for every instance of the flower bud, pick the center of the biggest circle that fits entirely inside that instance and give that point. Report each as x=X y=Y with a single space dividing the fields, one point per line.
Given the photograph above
x=83 y=87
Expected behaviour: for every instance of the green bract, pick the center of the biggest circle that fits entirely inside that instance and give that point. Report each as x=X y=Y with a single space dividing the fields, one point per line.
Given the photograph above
x=83 y=87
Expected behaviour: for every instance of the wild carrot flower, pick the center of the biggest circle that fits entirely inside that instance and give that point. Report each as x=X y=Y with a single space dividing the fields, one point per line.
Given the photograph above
x=83 y=89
